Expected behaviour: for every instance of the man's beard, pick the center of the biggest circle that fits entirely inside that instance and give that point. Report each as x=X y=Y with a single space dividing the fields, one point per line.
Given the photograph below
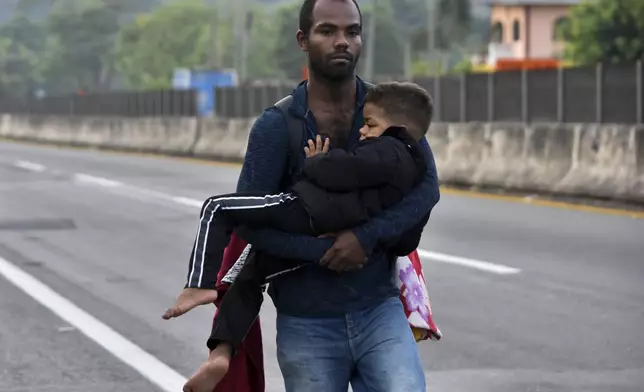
x=324 y=69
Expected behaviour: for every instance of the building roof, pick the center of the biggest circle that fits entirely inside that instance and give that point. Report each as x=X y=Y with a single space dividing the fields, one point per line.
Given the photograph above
x=534 y=2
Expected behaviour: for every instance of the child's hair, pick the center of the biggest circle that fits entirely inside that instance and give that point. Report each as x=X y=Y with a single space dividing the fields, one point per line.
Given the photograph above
x=404 y=103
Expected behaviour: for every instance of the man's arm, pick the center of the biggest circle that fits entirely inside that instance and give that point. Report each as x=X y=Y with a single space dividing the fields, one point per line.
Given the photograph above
x=395 y=221
x=266 y=154
x=341 y=171
x=264 y=165
x=410 y=240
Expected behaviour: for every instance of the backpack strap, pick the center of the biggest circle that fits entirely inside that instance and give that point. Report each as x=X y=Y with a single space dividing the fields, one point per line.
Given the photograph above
x=296 y=128
x=296 y=132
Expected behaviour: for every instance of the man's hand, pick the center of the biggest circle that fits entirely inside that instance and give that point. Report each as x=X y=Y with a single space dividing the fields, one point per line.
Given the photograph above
x=316 y=147
x=346 y=254
x=189 y=299
x=328 y=235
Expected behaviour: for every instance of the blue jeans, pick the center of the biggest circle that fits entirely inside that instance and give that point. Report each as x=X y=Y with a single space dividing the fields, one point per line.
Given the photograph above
x=373 y=350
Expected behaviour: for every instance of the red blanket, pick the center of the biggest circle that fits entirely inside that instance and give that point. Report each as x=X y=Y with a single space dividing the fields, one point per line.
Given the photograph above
x=246 y=372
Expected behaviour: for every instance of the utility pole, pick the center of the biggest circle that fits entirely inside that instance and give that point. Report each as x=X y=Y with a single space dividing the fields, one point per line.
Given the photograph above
x=215 y=55
x=371 y=43
x=432 y=21
x=220 y=14
x=241 y=36
x=246 y=21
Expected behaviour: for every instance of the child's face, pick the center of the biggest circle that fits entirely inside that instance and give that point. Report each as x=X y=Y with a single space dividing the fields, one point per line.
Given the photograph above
x=375 y=122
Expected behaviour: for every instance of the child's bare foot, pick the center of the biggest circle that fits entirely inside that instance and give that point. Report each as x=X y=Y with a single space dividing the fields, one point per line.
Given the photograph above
x=189 y=299
x=211 y=372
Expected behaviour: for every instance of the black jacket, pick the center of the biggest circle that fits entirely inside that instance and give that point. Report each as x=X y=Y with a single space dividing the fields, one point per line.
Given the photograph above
x=341 y=190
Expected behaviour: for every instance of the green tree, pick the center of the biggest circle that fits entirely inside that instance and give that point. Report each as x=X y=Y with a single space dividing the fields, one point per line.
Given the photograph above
x=289 y=58
x=79 y=47
x=453 y=25
x=262 y=63
x=21 y=43
x=389 y=39
x=173 y=36
x=454 y=22
x=604 y=30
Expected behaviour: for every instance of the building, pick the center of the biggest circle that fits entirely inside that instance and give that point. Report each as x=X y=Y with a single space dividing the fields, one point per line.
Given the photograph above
x=526 y=29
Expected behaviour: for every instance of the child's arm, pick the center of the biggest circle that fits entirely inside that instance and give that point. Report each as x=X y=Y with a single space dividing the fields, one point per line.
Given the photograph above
x=341 y=171
x=398 y=219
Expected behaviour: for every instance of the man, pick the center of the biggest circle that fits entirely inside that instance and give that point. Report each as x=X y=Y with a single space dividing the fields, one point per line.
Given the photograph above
x=341 y=321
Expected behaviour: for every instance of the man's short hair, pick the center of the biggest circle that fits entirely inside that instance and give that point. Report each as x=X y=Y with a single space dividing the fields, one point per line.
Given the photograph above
x=306 y=14
x=404 y=103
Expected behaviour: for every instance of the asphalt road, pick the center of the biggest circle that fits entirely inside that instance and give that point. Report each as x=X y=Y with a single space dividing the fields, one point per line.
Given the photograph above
x=529 y=298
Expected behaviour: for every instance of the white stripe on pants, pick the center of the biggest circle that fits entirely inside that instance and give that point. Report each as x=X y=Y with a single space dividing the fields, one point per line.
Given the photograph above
x=211 y=206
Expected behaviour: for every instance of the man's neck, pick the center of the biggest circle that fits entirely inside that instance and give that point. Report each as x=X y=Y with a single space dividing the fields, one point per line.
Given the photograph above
x=336 y=93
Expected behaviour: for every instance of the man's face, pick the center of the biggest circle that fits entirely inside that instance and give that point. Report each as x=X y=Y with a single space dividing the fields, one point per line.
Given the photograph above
x=335 y=40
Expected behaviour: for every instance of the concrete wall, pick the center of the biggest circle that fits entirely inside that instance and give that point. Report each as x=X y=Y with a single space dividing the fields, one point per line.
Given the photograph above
x=577 y=159
x=604 y=161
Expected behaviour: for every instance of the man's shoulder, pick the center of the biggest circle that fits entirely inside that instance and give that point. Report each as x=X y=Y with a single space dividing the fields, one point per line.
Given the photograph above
x=271 y=114
x=270 y=121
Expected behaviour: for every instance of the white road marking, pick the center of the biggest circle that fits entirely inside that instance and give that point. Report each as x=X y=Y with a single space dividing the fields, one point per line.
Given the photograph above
x=34 y=167
x=86 y=178
x=188 y=202
x=434 y=256
x=147 y=365
x=185 y=201
x=470 y=263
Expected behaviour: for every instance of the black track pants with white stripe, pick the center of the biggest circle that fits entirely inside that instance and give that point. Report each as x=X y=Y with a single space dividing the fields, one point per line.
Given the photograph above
x=220 y=215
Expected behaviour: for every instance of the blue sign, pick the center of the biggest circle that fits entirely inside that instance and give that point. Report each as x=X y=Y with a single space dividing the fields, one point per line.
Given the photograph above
x=204 y=82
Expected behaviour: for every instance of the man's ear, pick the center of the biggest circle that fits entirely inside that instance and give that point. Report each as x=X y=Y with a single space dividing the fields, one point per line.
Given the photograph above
x=302 y=41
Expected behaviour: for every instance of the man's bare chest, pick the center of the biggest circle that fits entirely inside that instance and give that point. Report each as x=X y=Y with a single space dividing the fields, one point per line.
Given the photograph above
x=336 y=126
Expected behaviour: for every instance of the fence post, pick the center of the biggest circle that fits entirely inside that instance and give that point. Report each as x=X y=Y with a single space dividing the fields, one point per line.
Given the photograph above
x=132 y=104
x=525 y=115
x=251 y=100
x=437 y=95
x=239 y=101
x=561 y=80
x=599 y=90
x=215 y=101
x=490 y=97
x=140 y=104
x=463 y=98
x=224 y=101
x=265 y=100
x=638 y=84
x=167 y=103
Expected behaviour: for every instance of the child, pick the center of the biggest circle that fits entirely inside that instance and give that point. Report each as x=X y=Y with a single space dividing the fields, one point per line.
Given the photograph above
x=337 y=191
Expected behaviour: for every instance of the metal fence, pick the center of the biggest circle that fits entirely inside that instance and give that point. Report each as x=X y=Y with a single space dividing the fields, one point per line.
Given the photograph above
x=248 y=101
x=170 y=103
x=595 y=94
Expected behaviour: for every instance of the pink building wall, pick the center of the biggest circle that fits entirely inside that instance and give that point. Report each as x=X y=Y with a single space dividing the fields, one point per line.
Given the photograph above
x=536 y=26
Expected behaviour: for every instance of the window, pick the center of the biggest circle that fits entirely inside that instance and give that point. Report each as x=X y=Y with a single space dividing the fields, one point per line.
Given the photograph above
x=516 y=30
x=558 y=27
x=497 y=32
